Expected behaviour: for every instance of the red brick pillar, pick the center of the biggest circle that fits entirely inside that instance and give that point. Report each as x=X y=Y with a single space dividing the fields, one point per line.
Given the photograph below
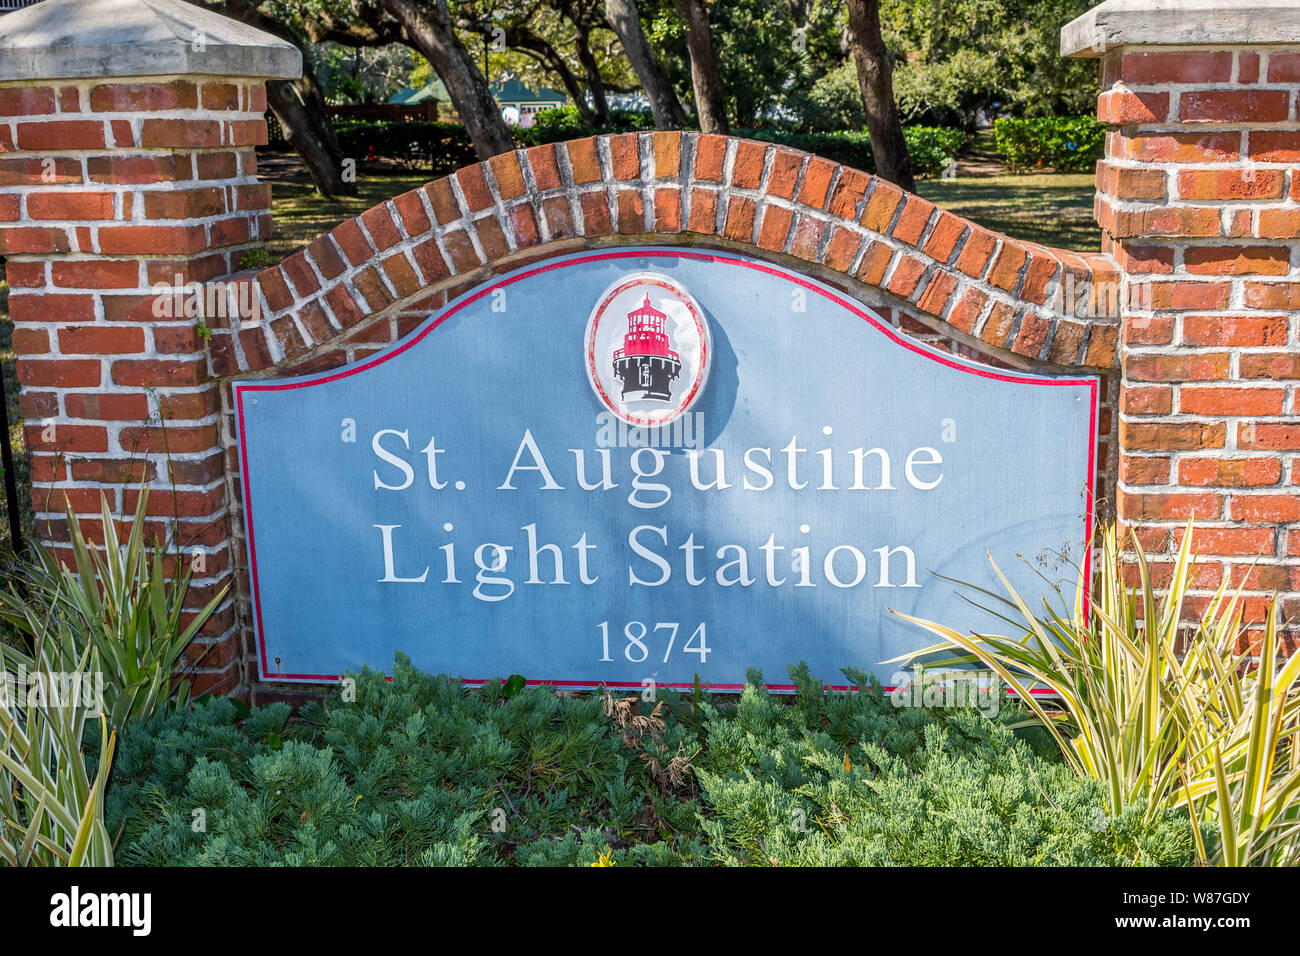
x=114 y=188
x=1197 y=200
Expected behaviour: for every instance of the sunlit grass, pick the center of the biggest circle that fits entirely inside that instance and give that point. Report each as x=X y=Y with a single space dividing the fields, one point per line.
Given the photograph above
x=1054 y=209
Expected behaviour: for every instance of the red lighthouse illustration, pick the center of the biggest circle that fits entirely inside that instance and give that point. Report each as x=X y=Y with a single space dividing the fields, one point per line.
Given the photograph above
x=646 y=362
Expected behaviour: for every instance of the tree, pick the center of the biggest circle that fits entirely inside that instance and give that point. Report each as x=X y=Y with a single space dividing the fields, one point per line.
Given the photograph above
x=299 y=104
x=704 y=66
x=875 y=81
x=626 y=22
x=427 y=27
x=535 y=30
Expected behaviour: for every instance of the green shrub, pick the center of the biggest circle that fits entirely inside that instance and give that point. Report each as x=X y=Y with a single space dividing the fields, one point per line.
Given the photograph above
x=1068 y=144
x=445 y=147
x=851 y=780
x=417 y=771
x=566 y=123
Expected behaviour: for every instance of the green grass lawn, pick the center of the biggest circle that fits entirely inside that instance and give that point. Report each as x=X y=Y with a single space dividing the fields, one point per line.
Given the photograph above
x=1054 y=209
x=301 y=215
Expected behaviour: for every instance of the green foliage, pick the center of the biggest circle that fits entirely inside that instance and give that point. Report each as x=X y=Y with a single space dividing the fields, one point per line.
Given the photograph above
x=423 y=771
x=933 y=148
x=121 y=602
x=1160 y=714
x=852 y=780
x=256 y=258
x=1068 y=144
x=416 y=772
x=51 y=804
x=564 y=122
x=444 y=147
x=953 y=57
x=834 y=101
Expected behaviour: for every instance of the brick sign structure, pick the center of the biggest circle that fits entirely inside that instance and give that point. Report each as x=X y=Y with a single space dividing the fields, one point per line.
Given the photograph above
x=127 y=159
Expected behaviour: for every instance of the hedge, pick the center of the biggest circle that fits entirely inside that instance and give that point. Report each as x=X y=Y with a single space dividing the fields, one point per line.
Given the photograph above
x=1068 y=144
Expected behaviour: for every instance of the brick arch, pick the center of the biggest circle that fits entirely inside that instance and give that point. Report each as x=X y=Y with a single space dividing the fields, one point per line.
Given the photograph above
x=999 y=295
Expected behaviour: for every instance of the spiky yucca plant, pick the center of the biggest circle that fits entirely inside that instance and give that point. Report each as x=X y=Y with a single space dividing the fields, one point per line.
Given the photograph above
x=120 y=601
x=1162 y=713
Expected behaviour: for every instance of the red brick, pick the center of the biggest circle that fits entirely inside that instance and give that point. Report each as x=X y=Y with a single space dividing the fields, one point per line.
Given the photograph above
x=875 y=261
x=967 y=310
x=976 y=252
x=96 y=273
x=1237 y=260
x=108 y=406
x=906 y=276
x=625 y=156
x=159 y=372
x=816 y=182
x=1283 y=67
x=1121 y=107
x=885 y=198
x=1158 y=400
x=60 y=373
x=101 y=340
x=1253 y=436
x=1222 y=184
x=1184 y=147
x=595 y=214
x=1230 y=472
x=1200 y=66
x=1171 y=436
x=1177 y=368
x=1275 y=146
x=180 y=133
x=1279 y=223
x=1234 y=330
x=1231 y=401
x=1172 y=506
x=379 y=223
x=710 y=157
x=849 y=190
x=1265 y=508
x=137 y=97
x=740 y=219
x=61 y=134
x=151 y=240
x=26 y=101
x=668 y=210
x=1236 y=106
x=784 y=177
x=473 y=186
x=1270 y=365
x=667 y=154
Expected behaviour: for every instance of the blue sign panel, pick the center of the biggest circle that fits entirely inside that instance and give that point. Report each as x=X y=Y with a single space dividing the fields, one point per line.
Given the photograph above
x=650 y=464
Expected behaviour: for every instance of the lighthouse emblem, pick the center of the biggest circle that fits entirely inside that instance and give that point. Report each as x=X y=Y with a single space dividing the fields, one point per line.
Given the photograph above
x=647 y=349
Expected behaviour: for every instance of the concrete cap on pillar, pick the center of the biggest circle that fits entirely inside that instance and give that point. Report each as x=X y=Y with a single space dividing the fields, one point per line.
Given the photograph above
x=1118 y=23
x=72 y=39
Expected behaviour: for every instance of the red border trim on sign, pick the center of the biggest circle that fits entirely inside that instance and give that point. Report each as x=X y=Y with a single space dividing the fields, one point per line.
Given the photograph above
x=892 y=334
